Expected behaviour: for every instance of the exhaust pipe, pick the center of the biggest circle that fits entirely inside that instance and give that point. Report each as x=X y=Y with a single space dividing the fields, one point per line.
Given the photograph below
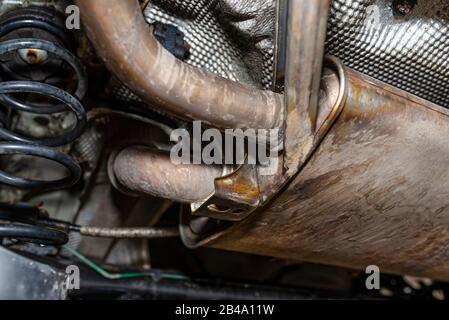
x=124 y=40
x=145 y=171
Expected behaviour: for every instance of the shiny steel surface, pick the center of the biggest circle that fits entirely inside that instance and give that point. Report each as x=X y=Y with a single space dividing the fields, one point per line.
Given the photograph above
x=210 y=46
x=214 y=36
x=410 y=52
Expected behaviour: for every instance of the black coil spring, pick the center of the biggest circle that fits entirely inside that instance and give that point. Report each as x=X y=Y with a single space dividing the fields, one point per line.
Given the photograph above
x=24 y=224
x=14 y=143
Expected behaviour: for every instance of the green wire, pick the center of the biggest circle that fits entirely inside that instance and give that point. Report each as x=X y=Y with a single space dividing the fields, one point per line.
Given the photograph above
x=118 y=276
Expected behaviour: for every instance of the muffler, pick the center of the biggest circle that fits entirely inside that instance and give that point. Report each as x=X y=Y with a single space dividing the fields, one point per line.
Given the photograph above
x=375 y=192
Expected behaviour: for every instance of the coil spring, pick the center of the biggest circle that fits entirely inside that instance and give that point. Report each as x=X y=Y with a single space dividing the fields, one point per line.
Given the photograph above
x=23 y=227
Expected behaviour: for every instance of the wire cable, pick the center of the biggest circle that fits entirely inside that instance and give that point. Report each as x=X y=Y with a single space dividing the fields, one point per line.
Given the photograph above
x=118 y=276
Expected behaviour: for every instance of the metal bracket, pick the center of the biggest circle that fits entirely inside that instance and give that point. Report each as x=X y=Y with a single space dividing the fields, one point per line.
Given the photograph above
x=236 y=196
x=241 y=192
x=314 y=97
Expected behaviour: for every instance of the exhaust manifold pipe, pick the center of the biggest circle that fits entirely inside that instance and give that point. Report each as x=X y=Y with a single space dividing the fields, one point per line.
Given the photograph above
x=121 y=36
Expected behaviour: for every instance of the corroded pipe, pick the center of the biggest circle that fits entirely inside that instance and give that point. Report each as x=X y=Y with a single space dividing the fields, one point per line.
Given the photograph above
x=145 y=171
x=306 y=35
x=375 y=192
x=124 y=40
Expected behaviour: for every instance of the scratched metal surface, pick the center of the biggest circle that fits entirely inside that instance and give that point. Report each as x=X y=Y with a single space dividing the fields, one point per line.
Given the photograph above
x=22 y=278
x=375 y=192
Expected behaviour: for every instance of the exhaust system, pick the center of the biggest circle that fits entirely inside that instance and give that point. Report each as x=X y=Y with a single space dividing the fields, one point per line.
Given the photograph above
x=375 y=192
x=123 y=39
x=362 y=179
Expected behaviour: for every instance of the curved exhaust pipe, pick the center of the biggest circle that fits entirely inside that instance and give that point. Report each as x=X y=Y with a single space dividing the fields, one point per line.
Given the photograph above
x=123 y=39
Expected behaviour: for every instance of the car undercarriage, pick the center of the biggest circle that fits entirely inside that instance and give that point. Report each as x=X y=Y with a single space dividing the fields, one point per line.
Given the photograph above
x=224 y=149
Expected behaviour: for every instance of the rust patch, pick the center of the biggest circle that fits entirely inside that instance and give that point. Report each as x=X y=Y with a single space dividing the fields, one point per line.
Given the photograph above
x=34 y=56
x=242 y=186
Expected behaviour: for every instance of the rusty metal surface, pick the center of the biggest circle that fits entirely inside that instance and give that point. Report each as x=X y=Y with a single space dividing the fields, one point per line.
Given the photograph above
x=121 y=37
x=236 y=195
x=375 y=192
x=146 y=171
x=129 y=233
x=212 y=192
x=314 y=98
x=306 y=34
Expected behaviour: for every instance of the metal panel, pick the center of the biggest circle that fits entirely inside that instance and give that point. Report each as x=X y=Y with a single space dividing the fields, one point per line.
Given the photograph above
x=26 y=279
x=410 y=52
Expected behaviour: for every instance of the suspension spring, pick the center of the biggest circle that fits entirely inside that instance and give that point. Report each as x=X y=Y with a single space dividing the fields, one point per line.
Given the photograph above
x=33 y=51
